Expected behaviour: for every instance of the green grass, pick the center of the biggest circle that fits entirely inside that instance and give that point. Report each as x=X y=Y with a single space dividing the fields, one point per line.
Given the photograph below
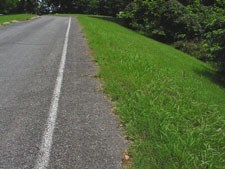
x=18 y=17
x=173 y=110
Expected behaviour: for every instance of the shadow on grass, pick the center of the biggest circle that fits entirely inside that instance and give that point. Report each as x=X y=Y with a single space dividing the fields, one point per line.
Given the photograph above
x=111 y=19
x=126 y=24
x=215 y=77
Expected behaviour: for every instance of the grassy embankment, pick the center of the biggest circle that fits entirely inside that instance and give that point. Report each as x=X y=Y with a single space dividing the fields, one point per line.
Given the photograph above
x=17 y=17
x=172 y=107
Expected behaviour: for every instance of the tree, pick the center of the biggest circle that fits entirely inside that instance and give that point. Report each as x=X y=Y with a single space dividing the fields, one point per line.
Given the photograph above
x=7 y=5
x=27 y=6
x=112 y=8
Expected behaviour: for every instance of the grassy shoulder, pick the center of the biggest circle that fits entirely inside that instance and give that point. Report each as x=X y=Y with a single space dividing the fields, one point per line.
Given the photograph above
x=16 y=17
x=173 y=110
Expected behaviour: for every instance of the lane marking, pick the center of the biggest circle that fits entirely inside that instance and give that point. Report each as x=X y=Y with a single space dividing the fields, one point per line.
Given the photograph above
x=45 y=150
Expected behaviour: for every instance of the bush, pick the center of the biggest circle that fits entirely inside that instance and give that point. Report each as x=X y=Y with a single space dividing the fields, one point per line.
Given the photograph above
x=167 y=21
x=196 y=27
x=197 y=49
x=215 y=37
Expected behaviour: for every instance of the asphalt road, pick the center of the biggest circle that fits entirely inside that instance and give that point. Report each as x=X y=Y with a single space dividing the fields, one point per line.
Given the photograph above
x=52 y=112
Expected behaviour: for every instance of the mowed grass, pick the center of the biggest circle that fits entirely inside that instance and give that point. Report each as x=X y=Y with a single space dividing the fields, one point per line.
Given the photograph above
x=172 y=111
x=18 y=17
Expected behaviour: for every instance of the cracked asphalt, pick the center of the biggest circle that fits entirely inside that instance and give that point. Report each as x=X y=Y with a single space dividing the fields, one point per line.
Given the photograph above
x=85 y=134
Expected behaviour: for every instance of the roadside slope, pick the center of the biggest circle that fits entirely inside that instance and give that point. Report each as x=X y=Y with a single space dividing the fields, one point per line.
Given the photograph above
x=170 y=103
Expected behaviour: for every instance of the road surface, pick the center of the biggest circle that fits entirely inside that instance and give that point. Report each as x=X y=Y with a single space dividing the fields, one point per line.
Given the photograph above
x=52 y=113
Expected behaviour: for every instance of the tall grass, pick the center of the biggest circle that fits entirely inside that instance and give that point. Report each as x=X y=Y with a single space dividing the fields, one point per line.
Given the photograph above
x=172 y=109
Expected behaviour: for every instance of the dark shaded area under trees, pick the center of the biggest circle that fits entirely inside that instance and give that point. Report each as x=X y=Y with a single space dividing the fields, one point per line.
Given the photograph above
x=193 y=26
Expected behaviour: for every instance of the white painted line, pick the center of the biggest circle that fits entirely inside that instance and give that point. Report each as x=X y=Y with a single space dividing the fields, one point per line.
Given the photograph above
x=44 y=153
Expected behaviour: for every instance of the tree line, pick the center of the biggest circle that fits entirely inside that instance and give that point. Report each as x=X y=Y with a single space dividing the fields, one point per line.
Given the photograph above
x=194 y=26
x=101 y=7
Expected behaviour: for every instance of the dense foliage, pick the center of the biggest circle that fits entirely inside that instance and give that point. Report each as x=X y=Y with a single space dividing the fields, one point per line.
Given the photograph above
x=102 y=7
x=7 y=5
x=194 y=26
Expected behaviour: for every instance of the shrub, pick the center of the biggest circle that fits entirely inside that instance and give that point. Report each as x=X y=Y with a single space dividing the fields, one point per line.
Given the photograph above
x=196 y=27
x=197 y=49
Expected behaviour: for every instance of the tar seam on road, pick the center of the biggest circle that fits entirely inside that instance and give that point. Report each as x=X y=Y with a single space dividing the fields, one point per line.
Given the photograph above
x=45 y=150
